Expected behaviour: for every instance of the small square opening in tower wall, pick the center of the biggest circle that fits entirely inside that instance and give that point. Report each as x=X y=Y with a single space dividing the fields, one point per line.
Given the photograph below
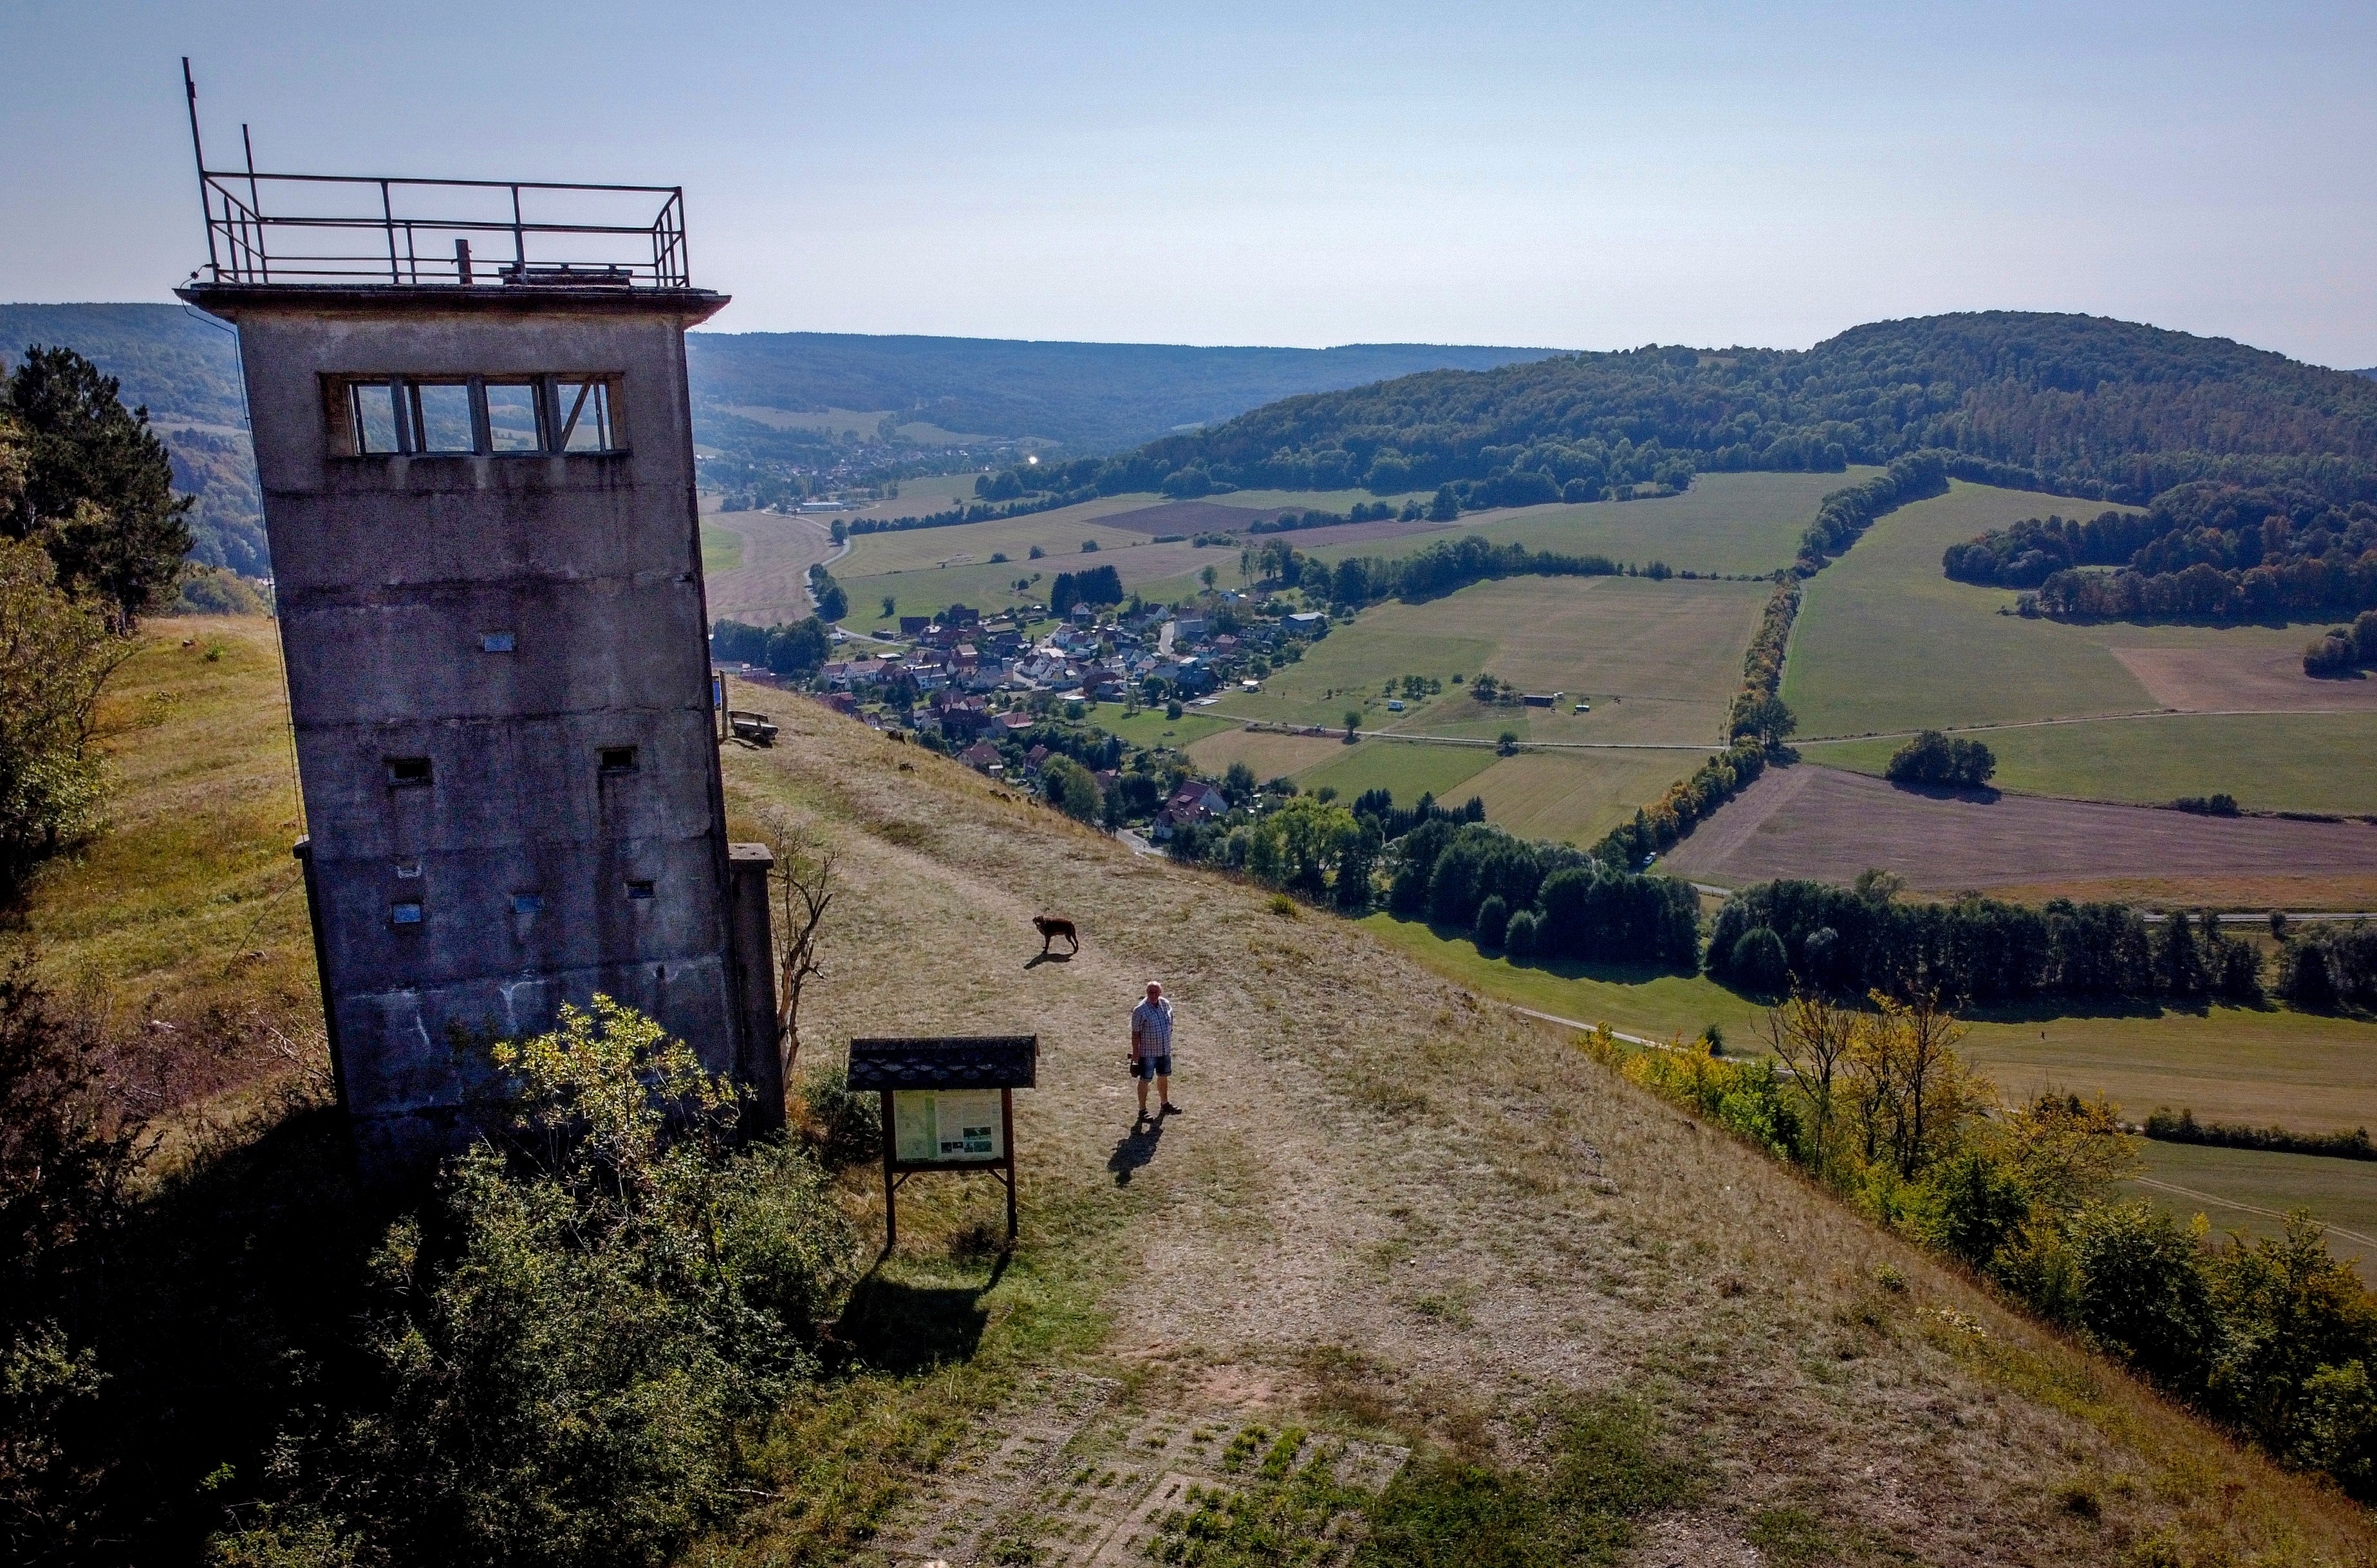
x=617 y=758
x=408 y=770
x=640 y=889
x=496 y=642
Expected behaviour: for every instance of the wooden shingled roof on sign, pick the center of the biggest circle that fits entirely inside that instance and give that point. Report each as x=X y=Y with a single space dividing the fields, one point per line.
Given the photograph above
x=946 y=1062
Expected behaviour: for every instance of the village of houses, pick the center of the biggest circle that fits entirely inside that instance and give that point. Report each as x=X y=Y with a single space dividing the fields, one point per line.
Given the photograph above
x=1005 y=692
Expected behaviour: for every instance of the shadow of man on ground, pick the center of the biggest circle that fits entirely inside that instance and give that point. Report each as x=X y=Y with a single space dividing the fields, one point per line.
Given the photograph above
x=1135 y=1149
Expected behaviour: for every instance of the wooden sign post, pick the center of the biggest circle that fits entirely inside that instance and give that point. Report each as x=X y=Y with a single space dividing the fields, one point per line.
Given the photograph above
x=949 y=1103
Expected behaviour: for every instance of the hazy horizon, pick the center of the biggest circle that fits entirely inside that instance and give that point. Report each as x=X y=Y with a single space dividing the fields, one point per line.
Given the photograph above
x=1529 y=177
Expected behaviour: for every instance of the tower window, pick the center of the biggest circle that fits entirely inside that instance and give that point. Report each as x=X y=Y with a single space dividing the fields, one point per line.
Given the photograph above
x=527 y=902
x=408 y=770
x=483 y=415
x=405 y=914
x=639 y=891
x=496 y=642
x=617 y=758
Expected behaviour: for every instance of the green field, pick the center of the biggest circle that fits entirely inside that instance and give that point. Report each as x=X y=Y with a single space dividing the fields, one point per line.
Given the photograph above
x=1886 y=643
x=1725 y=523
x=2269 y=761
x=721 y=549
x=2342 y=1193
x=1150 y=728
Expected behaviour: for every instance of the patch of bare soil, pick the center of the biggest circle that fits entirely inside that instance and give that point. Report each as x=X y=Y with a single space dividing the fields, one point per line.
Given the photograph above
x=772 y=583
x=1395 y=1215
x=2220 y=680
x=1828 y=825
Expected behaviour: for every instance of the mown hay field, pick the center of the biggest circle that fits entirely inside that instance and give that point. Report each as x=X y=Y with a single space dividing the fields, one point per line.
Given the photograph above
x=1659 y=662
x=755 y=566
x=1058 y=533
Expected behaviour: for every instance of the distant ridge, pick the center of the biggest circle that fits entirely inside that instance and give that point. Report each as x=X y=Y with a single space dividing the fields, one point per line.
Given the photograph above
x=1086 y=397
x=2082 y=405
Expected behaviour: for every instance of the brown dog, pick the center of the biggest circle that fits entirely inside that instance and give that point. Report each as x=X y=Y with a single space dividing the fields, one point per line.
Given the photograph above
x=1052 y=926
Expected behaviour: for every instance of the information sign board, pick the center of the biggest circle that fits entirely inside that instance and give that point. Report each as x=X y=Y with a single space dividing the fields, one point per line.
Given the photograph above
x=936 y=1125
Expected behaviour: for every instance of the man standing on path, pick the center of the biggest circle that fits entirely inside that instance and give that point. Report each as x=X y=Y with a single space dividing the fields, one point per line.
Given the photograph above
x=1150 y=1049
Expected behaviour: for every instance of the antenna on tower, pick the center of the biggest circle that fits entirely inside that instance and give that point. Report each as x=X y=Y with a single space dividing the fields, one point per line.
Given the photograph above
x=198 y=153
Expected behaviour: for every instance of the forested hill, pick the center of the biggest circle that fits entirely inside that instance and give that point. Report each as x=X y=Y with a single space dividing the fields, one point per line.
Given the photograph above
x=2080 y=404
x=1088 y=397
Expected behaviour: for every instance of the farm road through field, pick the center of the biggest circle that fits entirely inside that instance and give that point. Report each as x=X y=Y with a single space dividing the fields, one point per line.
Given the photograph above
x=1805 y=820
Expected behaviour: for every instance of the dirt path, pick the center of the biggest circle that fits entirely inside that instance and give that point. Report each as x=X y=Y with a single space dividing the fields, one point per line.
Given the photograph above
x=1395 y=1215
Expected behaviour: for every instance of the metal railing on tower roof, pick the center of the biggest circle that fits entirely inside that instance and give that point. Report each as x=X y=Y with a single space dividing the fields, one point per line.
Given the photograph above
x=365 y=229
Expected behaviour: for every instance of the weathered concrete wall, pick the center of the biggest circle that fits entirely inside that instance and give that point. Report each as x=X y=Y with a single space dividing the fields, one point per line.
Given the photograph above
x=522 y=852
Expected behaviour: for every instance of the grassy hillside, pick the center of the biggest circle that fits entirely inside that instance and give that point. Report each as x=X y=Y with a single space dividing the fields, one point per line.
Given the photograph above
x=1392 y=1214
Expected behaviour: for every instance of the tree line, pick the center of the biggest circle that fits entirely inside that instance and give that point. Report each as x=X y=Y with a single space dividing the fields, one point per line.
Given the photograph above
x=2217 y=550
x=788 y=648
x=1775 y=936
x=1535 y=898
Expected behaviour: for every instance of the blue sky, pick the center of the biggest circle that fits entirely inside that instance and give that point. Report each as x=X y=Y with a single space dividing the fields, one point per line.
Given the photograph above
x=1571 y=176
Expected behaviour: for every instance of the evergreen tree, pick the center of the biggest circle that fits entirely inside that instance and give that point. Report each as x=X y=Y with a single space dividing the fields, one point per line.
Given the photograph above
x=97 y=488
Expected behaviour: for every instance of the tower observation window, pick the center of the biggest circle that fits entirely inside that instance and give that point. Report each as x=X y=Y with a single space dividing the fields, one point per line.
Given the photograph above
x=486 y=415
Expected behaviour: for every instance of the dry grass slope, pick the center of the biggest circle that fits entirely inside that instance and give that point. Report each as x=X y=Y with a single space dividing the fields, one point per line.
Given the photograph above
x=1389 y=1204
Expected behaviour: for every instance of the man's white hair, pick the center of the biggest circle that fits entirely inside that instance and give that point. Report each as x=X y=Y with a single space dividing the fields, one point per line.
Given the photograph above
x=1155 y=984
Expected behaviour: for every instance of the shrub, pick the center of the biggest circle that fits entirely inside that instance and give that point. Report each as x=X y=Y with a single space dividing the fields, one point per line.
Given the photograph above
x=57 y=653
x=1519 y=936
x=838 y=1126
x=568 y=1347
x=1493 y=921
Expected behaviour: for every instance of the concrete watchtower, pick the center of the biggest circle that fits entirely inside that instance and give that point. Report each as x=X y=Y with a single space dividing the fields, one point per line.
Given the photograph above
x=478 y=481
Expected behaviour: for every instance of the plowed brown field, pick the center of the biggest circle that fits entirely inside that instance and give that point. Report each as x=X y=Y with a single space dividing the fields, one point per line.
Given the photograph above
x=1825 y=824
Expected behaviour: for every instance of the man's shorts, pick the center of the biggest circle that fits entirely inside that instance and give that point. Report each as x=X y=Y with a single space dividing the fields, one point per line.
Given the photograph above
x=1155 y=1066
